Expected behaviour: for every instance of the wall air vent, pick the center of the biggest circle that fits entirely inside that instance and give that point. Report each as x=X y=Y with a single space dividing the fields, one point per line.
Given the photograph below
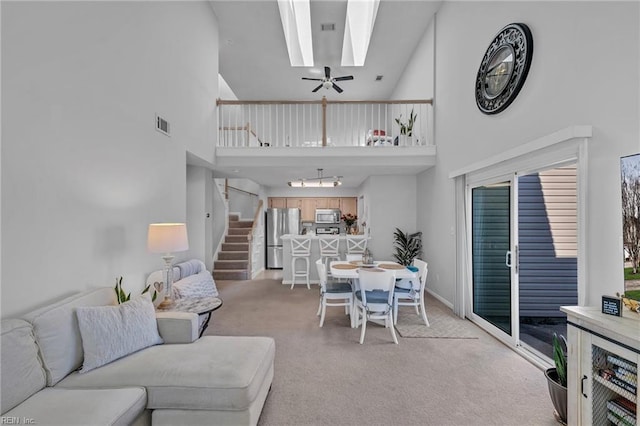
x=378 y=77
x=162 y=125
x=328 y=27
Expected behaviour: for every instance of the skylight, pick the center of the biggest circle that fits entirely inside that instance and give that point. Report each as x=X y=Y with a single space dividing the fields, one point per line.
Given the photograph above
x=296 y=23
x=361 y=16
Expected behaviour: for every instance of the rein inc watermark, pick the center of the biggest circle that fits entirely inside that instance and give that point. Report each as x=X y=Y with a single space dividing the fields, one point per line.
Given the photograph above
x=14 y=420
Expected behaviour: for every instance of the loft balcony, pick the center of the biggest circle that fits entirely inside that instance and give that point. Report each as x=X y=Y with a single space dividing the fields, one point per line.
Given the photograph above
x=394 y=135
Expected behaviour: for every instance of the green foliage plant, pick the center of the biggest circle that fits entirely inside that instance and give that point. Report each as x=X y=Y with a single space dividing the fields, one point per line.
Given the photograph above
x=124 y=297
x=406 y=128
x=407 y=247
x=560 y=357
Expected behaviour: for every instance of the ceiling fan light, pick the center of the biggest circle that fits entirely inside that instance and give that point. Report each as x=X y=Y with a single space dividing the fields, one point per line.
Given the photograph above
x=327 y=85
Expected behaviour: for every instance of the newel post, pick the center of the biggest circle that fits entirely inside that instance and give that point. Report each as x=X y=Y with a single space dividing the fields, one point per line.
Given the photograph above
x=324 y=121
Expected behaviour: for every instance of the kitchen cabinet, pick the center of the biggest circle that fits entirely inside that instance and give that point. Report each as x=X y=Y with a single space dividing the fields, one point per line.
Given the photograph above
x=278 y=202
x=349 y=205
x=603 y=358
x=308 y=209
x=308 y=205
x=327 y=203
x=293 y=203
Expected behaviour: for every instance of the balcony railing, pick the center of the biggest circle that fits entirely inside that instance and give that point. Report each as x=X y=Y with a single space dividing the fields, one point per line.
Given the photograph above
x=324 y=123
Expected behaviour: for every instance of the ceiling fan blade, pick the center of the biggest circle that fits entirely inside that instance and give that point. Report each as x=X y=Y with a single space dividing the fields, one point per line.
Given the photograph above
x=327 y=73
x=346 y=77
x=314 y=79
x=316 y=89
x=338 y=89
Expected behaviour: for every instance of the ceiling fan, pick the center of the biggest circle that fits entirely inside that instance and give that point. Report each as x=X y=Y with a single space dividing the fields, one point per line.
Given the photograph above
x=328 y=82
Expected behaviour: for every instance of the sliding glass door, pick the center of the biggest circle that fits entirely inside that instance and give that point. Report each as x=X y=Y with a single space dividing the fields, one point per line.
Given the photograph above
x=491 y=240
x=524 y=252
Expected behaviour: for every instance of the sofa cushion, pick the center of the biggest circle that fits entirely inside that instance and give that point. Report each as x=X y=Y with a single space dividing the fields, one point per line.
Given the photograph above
x=21 y=373
x=56 y=331
x=111 y=332
x=213 y=373
x=53 y=406
x=198 y=285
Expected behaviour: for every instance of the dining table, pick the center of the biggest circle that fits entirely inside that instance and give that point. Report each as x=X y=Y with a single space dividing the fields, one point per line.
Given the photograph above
x=349 y=270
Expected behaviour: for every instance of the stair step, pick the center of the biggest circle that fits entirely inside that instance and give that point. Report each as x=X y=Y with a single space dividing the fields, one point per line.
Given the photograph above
x=234 y=217
x=230 y=264
x=240 y=223
x=233 y=255
x=236 y=239
x=238 y=231
x=230 y=274
x=235 y=246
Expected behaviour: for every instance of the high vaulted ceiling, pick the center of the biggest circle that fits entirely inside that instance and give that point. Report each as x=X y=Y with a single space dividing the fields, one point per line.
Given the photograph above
x=254 y=60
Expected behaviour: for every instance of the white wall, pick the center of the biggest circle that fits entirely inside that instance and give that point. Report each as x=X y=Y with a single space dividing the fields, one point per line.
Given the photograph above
x=199 y=218
x=585 y=71
x=391 y=203
x=240 y=201
x=83 y=169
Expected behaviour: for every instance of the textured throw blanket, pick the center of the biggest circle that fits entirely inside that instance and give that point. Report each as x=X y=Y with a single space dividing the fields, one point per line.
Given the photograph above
x=190 y=267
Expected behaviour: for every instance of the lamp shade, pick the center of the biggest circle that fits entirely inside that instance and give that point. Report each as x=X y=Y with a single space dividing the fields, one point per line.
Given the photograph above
x=167 y=237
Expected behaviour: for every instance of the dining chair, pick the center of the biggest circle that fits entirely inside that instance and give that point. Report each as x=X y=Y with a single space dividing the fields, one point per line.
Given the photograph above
x=414 y=295
x=374 y=299
x=333 y=293
x=329 y=250
x=300 y=251
x=356 y=244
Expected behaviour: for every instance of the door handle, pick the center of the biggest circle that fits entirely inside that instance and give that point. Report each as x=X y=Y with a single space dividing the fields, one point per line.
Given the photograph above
x=582 y=386
x=507 y=259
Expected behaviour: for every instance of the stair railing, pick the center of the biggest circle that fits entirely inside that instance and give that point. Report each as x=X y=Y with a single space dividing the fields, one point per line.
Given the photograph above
x=255 y=238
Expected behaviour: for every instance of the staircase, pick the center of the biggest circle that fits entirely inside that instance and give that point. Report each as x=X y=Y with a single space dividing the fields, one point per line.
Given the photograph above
x=233 y=258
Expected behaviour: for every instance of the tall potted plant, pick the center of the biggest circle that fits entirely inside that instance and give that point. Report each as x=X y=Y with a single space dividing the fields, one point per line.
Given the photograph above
x=408 y=247
x=557 y=377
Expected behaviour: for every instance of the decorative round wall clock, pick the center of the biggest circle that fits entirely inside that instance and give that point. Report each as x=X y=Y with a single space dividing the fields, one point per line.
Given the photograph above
x=504 y=68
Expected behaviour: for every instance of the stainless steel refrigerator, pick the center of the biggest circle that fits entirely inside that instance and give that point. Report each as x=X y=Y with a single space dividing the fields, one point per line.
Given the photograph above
x=279 y=222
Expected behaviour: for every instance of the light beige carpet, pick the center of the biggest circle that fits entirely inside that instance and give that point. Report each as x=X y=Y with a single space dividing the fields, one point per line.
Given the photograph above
x=443 y=323
x=323 y=376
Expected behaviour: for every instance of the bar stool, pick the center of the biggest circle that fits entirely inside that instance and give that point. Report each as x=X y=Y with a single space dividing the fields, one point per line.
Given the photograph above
x=300 y=250
x=356 y=244
x=329 y=250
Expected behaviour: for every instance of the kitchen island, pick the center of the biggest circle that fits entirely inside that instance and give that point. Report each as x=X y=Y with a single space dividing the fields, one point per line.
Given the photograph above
x=315 y=255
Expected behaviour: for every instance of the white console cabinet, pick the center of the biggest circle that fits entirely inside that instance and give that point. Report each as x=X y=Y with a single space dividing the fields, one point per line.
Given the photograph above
x=603 y=360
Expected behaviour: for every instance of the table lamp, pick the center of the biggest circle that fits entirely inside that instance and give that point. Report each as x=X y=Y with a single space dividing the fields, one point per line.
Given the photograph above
x=167 y=238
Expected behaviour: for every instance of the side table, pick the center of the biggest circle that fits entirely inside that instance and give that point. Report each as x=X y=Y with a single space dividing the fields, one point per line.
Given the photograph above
x=201 y=306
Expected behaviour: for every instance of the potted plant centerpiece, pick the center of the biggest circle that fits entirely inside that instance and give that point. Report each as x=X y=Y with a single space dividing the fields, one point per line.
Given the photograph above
x=406 y=127
x=557 y=378
x=350 y=220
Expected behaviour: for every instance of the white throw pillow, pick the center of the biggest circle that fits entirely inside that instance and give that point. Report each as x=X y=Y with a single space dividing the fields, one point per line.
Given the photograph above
x=111 y=332
x=198 y=285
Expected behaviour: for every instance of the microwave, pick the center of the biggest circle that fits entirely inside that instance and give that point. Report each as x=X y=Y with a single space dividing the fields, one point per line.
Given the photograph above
x=327 y=215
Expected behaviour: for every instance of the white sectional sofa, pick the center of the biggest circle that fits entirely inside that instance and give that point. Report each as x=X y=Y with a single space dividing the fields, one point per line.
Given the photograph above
x=214 y=380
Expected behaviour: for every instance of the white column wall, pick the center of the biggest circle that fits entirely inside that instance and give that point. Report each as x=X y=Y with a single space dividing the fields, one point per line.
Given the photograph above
x=83 y=169
x=585 y=71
